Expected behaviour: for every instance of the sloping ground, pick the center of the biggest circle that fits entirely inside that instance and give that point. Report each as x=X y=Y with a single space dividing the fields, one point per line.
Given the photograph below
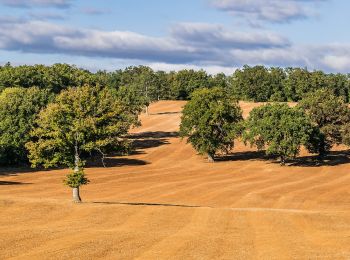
x=166 y=202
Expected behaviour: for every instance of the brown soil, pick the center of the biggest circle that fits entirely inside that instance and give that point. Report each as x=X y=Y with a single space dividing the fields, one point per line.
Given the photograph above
x=167 y=202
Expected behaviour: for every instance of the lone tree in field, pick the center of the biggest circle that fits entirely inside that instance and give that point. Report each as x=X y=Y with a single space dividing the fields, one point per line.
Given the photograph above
x=279 y=129
x=79 y=122
x=330 y=114
x=211 y=121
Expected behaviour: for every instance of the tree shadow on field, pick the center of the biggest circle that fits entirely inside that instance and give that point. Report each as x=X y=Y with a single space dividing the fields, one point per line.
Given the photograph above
x=10 y=183
x=147 y=140
x=166 y=113
x=145 y=204
x=115 y=162
x=334 y=158
x=14 y=171
x=242 y=156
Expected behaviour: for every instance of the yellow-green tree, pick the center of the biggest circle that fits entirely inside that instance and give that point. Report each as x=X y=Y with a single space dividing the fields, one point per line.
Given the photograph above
x=80 y=121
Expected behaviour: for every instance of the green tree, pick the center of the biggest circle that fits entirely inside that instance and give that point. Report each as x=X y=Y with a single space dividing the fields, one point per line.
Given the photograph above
x=133 y=101
x=277 y=78
x=339 y=85
x=19 y=108
x=329 y=113
x=211 y=121
x=184 y=82
x=219 y=80
x=54 y=78
x=279 y=129
x=79 y=122
x=251 y=83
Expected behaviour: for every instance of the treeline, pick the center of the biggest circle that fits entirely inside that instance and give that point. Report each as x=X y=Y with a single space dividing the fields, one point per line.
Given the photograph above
x=258 y=83
x=212 y=120
x=61 y=115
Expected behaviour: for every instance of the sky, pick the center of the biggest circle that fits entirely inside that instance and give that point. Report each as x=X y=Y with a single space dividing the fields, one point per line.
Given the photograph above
x=214 y=35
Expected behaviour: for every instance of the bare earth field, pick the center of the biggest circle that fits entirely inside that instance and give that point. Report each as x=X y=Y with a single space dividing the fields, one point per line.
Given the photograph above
x=167 y=202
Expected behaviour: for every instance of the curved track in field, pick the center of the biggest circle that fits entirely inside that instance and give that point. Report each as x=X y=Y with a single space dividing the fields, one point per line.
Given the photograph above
x=167 y=202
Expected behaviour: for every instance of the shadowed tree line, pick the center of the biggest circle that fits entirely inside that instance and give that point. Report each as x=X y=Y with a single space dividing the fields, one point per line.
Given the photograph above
x=258 y=83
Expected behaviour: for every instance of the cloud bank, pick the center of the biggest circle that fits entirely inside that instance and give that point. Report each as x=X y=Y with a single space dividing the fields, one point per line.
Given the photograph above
x=187 y=43
x=275 y=11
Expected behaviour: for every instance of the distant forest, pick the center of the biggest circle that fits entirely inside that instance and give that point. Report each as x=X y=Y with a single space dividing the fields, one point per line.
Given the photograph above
x=258 y=83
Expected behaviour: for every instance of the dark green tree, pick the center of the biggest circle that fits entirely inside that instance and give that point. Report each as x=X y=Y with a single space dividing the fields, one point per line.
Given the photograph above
x=19 y=108
x=185 y=82
x=279 y=129
x=258 y=84
x=211 y=120
x=329 y=113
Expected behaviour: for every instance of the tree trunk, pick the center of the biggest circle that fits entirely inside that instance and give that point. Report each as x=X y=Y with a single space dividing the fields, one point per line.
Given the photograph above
x=283 y=161
x=147 y=110
x=210 y=158
x=76 y=158
x=76 y=195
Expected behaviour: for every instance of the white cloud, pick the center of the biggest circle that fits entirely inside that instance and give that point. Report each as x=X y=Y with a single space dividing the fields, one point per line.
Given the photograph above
x=204 y=34
x=268 y=10
x=176 y=67
x=207 y=46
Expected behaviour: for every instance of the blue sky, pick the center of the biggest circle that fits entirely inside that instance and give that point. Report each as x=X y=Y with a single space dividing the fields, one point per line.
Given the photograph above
x=216 y=35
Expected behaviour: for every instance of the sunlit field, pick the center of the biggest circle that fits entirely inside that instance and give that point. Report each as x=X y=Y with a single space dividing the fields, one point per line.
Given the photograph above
x=166 y=201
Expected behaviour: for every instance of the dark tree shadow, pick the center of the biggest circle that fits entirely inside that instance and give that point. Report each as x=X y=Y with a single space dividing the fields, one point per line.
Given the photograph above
x=166 y=113
x=145 y=204
x=115 y=162
x=14 y=171
x=147 y=140
x=242 y=156
x=157 y=134
x=13 y=183
x=334 y=158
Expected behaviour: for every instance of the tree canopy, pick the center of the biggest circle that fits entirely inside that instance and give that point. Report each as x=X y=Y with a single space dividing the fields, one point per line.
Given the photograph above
x=279 y=129
x=330 y=114
x=19 y=108
x=79 y=121
x=211 y=121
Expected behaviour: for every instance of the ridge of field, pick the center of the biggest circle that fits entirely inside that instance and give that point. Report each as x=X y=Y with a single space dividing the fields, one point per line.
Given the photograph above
x=166 y=202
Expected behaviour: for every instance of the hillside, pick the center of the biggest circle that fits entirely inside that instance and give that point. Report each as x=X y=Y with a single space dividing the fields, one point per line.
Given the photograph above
x=165 y=201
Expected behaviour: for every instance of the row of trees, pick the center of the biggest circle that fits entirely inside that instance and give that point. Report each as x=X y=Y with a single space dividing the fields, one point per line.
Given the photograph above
x=257 y=83
x=212 y=120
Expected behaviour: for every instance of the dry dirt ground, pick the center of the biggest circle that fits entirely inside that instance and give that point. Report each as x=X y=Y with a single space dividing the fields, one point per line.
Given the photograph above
x=167 y=202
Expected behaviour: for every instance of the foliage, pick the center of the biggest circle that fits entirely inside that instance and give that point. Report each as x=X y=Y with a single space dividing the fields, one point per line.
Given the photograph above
x=329 y=113
x=211 y=121
x=185 y=82
x=19 y=108
x=258 y=83
x=252 y=83
x=279 y=129
x=85 y=119
x=76 y=179
x=54 y=78
x=132 y=101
